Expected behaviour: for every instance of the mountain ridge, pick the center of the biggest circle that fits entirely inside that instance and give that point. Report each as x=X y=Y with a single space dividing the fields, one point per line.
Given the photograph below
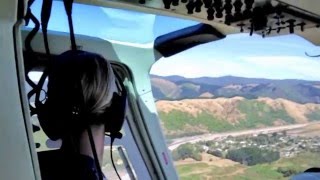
x=176 y=78
x=301 y=91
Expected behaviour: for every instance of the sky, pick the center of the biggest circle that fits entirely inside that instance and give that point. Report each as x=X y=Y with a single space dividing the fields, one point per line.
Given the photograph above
x=111 y=24
x=281 y=57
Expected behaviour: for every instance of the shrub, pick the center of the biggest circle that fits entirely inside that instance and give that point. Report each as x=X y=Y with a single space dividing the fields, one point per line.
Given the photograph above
x=252 y=155
x=216 y=153
x=187 y=151
x=286 y=172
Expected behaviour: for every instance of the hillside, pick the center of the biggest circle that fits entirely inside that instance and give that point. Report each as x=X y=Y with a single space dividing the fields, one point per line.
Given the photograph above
x=177 y=87
x=163 y=88
x=196 y=116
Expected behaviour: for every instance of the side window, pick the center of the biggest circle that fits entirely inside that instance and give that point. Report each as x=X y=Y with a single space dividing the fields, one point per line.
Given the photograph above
x=121 y=161
x=43 y=143
x=239 y=109
x=126 y=157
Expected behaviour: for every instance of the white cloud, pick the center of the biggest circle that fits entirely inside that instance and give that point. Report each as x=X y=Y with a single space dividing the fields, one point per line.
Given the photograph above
x=272 y=67
x=286 y=67
x=280 y=57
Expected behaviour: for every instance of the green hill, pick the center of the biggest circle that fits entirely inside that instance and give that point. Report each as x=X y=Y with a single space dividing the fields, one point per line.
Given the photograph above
x=196 y=116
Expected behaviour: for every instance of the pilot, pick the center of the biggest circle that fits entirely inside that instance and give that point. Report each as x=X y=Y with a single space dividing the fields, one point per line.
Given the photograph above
x=80 y=88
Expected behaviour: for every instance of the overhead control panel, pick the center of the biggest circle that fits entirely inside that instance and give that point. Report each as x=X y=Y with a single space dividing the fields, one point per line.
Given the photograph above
x=264 y=17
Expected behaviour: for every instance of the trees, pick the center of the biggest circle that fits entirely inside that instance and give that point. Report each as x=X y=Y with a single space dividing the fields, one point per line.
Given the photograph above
x=262 y=139
x=216 y=153
x=252 y=155
x=286 y=172
x=187 y=150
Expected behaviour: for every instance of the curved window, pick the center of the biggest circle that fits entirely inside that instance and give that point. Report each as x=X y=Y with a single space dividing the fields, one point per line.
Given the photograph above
x=241 y=108
x=111 y=24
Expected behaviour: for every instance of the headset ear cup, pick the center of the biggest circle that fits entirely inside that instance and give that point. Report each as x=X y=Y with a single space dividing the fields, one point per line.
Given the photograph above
x=112 y=116
x=115 y=115
x=46 y=123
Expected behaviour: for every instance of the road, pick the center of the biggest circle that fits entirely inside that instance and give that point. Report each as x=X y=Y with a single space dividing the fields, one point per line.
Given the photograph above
x=207 y=137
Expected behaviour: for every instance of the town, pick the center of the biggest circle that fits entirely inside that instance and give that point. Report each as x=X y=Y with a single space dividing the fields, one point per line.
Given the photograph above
x=251 y=149
x=286 y=145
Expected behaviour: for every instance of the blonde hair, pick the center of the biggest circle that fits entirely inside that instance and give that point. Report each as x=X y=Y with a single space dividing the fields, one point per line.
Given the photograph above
x=80 y=83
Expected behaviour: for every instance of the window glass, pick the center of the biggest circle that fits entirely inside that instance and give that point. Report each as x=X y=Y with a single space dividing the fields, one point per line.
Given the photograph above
x=111 y=24
x=43 y=143
x=244 y=107
x=123 y=166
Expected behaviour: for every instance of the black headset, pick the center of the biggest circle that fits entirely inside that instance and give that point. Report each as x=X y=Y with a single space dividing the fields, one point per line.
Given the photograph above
x=59 y=118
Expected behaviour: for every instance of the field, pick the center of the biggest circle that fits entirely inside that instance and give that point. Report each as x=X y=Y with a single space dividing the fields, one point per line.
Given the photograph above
x=212 y=167
x=304 y=154
x=308 y=131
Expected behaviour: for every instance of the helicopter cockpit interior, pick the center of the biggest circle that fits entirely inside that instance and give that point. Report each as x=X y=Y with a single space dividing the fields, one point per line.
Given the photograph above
x=133 y=35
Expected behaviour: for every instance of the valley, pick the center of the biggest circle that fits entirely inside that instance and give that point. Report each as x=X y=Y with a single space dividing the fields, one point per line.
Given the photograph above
x=239 y=128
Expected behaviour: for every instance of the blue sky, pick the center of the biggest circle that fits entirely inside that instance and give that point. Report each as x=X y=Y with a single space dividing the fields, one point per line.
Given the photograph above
x=111 y=24
x=281 y=57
